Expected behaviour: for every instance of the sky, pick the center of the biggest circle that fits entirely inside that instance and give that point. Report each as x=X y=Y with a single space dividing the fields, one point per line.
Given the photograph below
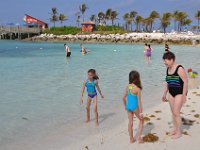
x=14 y=10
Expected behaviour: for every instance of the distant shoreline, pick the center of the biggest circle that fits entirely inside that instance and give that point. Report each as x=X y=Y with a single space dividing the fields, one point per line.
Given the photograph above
x=129 y=38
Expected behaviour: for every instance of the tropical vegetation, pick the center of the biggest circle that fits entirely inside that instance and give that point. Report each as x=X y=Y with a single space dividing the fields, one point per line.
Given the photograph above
x=133 y=21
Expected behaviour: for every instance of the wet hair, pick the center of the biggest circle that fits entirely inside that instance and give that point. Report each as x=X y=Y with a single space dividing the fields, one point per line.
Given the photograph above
x=145 y=44
x=169 y=56
x=65 y=44
x=93 y=71
x=149 y=45
x=134 y=77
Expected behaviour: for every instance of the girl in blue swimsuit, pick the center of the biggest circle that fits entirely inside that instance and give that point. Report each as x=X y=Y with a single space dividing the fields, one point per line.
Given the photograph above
x=133 y=104
x=91 y=84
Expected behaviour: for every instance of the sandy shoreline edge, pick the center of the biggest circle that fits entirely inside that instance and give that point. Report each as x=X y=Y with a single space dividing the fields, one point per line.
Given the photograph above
x=159 y=124
x=157 y=38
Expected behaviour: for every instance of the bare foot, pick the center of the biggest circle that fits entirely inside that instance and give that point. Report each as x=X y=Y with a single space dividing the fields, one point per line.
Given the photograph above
x=172 y=133
x=140 y=140
x=87 y=121
x=97 y=124
x=176 y=136
x=132 y=140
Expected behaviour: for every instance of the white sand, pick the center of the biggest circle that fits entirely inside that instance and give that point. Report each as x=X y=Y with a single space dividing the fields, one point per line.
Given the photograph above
x=118 y=138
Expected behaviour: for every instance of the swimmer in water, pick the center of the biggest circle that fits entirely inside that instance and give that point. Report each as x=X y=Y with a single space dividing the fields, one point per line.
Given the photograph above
x=167 y=48
x=133 y=104
x=83 y=50
x=91 y=84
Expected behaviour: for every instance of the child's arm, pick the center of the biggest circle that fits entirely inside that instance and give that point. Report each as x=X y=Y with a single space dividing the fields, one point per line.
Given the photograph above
x=165 y=93
x=98 y=88
x=139 y=101
x=82 y=92
x=124 y=97
x=183 y=76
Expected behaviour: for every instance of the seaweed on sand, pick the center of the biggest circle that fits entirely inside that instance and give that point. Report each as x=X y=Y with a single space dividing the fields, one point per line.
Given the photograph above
x=197 y=116
x=152 y=116
x=146 y=119
x=158 y=111
x=151 y=138
x=187 y=121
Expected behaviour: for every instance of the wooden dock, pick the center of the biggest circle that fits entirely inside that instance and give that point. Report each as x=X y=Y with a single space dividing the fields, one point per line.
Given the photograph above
x=18 y=32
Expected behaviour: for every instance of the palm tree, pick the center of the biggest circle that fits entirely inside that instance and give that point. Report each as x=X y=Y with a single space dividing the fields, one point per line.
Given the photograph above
x=165 y=21
x=147 y=24
x=138 y=21
x=133 y=15
x=108 y=14
x=78 y=17
x=128 y=20
x=113 y=16
x=93 y=18
x=152 y=17
x=54 y=17
x=62 y=18
x=83 y=8
x=175 y=16
x=101 y=17
x=182 y=18
x=197 y=16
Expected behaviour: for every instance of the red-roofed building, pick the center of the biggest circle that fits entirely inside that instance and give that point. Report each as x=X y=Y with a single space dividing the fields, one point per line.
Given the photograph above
x=88 y=26
x=31 y=20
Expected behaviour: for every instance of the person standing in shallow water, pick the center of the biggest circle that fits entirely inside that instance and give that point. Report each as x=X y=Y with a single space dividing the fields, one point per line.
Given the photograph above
x=167 y=48
x=177 y=86
x=145 y=50
x=67 y=50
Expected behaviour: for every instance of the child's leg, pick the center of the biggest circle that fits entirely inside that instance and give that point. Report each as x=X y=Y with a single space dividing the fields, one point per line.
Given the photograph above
x=171 y=103
x=130 y=127
x=88 y=109
x=177 y=108
x=140 y=127
x=96 y=110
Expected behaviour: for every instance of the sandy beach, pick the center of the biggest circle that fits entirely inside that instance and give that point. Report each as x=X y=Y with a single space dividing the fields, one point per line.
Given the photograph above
x=159 y=124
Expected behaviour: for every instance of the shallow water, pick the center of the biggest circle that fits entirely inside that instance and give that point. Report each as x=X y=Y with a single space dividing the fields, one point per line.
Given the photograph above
x=40 y=88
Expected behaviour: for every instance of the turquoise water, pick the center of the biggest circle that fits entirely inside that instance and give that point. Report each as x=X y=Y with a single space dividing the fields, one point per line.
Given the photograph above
x=40 y=88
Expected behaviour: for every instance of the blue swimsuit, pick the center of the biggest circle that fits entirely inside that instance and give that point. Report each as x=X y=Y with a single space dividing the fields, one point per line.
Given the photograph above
x=132 y=100
x=91 y=88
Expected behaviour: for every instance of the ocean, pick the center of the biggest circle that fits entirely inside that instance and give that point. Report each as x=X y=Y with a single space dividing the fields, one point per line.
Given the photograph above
x=40 y=89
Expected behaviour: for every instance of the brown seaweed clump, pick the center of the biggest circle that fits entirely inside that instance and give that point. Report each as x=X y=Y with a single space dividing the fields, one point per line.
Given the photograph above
x=197 y=116
x=187 y=121
x=86 y=147
x=194 y=92
x=193 y=110
x=158 y=111
x=152 y=116
x=158 y=118
x=185 y=133
x=197 y=94
x=149 y=123
x=146 y=119
x=151 y=138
